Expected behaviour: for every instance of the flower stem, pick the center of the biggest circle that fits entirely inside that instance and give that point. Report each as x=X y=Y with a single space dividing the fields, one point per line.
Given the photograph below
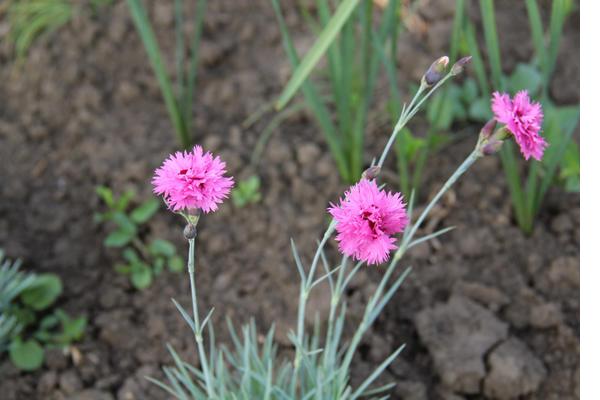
x=408 y=113
x=466 y=164
x=197 y=332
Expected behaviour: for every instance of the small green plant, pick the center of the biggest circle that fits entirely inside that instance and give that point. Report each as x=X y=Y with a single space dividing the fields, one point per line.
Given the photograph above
x=31 y=19
x=142 y=261
x=27 y=324
x=246 y=192
x=561 y=162
x=178 y=96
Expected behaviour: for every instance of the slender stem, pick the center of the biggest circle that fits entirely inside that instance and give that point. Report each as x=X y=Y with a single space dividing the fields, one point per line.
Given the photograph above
x=398 y=127
x=466 y=164
x=410 y=111
x=197 y=333
x=304 y=292
x=335 y=299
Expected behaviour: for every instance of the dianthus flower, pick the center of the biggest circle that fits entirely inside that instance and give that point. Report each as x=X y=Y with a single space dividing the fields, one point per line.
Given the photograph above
x=192 y=180
x=523 y=118
x=367 y=218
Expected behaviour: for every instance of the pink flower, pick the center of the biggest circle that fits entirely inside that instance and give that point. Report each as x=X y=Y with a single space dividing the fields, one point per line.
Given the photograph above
x=523 y=119
x=192 y=180
x=367 y=218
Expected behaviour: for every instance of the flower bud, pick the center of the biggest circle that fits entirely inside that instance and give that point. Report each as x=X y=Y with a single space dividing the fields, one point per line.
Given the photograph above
x=488 y=129
x=371 y=172
x=436 y=71
x=492 y=147
x=460 y=65
x=189 y=232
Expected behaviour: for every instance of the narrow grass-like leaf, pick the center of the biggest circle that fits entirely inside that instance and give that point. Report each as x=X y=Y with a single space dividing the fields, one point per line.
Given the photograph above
x=537 y=30
x=514 y=182
x=477 y=60
x=184 y=314
x=195 y=61
x=146 y=32
x=310 y=60
x=361 y=389
x=431 y=236
x=314 y=100
x=491 y=40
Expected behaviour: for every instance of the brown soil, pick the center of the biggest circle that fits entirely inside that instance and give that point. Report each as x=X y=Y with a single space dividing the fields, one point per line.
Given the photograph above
x=85 y=110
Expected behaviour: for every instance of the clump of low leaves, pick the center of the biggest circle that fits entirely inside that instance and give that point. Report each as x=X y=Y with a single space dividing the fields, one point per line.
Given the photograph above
x=246 y=192
x=28 y=323
x=143 y=257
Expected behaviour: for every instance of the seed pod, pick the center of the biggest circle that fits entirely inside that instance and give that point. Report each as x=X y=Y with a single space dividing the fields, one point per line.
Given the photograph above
x=189 y=232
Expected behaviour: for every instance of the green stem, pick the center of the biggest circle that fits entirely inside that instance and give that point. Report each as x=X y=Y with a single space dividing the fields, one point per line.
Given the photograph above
x=398 y=127
x=459 y=171
x=304 y=292
x=197 y=333
x=408 y=114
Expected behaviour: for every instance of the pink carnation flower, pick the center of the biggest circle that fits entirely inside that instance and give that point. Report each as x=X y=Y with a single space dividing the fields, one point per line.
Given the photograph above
x=523 y=119
x=193 y=180
x=367 y=218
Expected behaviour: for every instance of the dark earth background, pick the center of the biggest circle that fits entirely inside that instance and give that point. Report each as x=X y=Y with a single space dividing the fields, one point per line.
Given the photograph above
x=486 y=312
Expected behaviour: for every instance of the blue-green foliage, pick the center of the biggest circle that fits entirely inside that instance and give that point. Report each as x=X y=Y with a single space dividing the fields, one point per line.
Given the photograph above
x=28 y=325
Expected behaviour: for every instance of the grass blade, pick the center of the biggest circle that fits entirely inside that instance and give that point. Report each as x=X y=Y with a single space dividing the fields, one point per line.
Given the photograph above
x=341 y=15
x=491 y=41
x=144 y=28
x=313 y=99
x=537 y=30
x=192 y=72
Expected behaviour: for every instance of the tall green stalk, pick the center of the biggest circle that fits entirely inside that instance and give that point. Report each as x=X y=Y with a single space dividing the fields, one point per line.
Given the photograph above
x=178 y=96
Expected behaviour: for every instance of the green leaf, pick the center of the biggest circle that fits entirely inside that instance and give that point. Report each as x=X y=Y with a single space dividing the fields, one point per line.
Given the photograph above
x=49 y=322
x=73 y=328
x=176 y=264
x=24 y=315
x=43 y=292
x=247 y=191
x=310 y=60
x=141 y=276
x=124 y=223
x=525 y=77
x=160 y=247
x=28 y=355
x=158 y=265
x=469 y=91
x=144 y=212
x=118 y=239
x=106 y=195
x=123 y=269
x=411 y=144
x=124 y=200
x=480 y=110
x=130 y=255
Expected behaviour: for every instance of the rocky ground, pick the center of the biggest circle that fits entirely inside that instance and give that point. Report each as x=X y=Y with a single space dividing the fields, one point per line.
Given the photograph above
x=486 y=312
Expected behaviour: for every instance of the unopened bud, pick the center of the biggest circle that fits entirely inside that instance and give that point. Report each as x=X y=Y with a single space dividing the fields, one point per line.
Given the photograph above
x=436 y=71
x=488 y=129
x=492 y=147
x=371 y=172
x=189 y=232
x=460 y=65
